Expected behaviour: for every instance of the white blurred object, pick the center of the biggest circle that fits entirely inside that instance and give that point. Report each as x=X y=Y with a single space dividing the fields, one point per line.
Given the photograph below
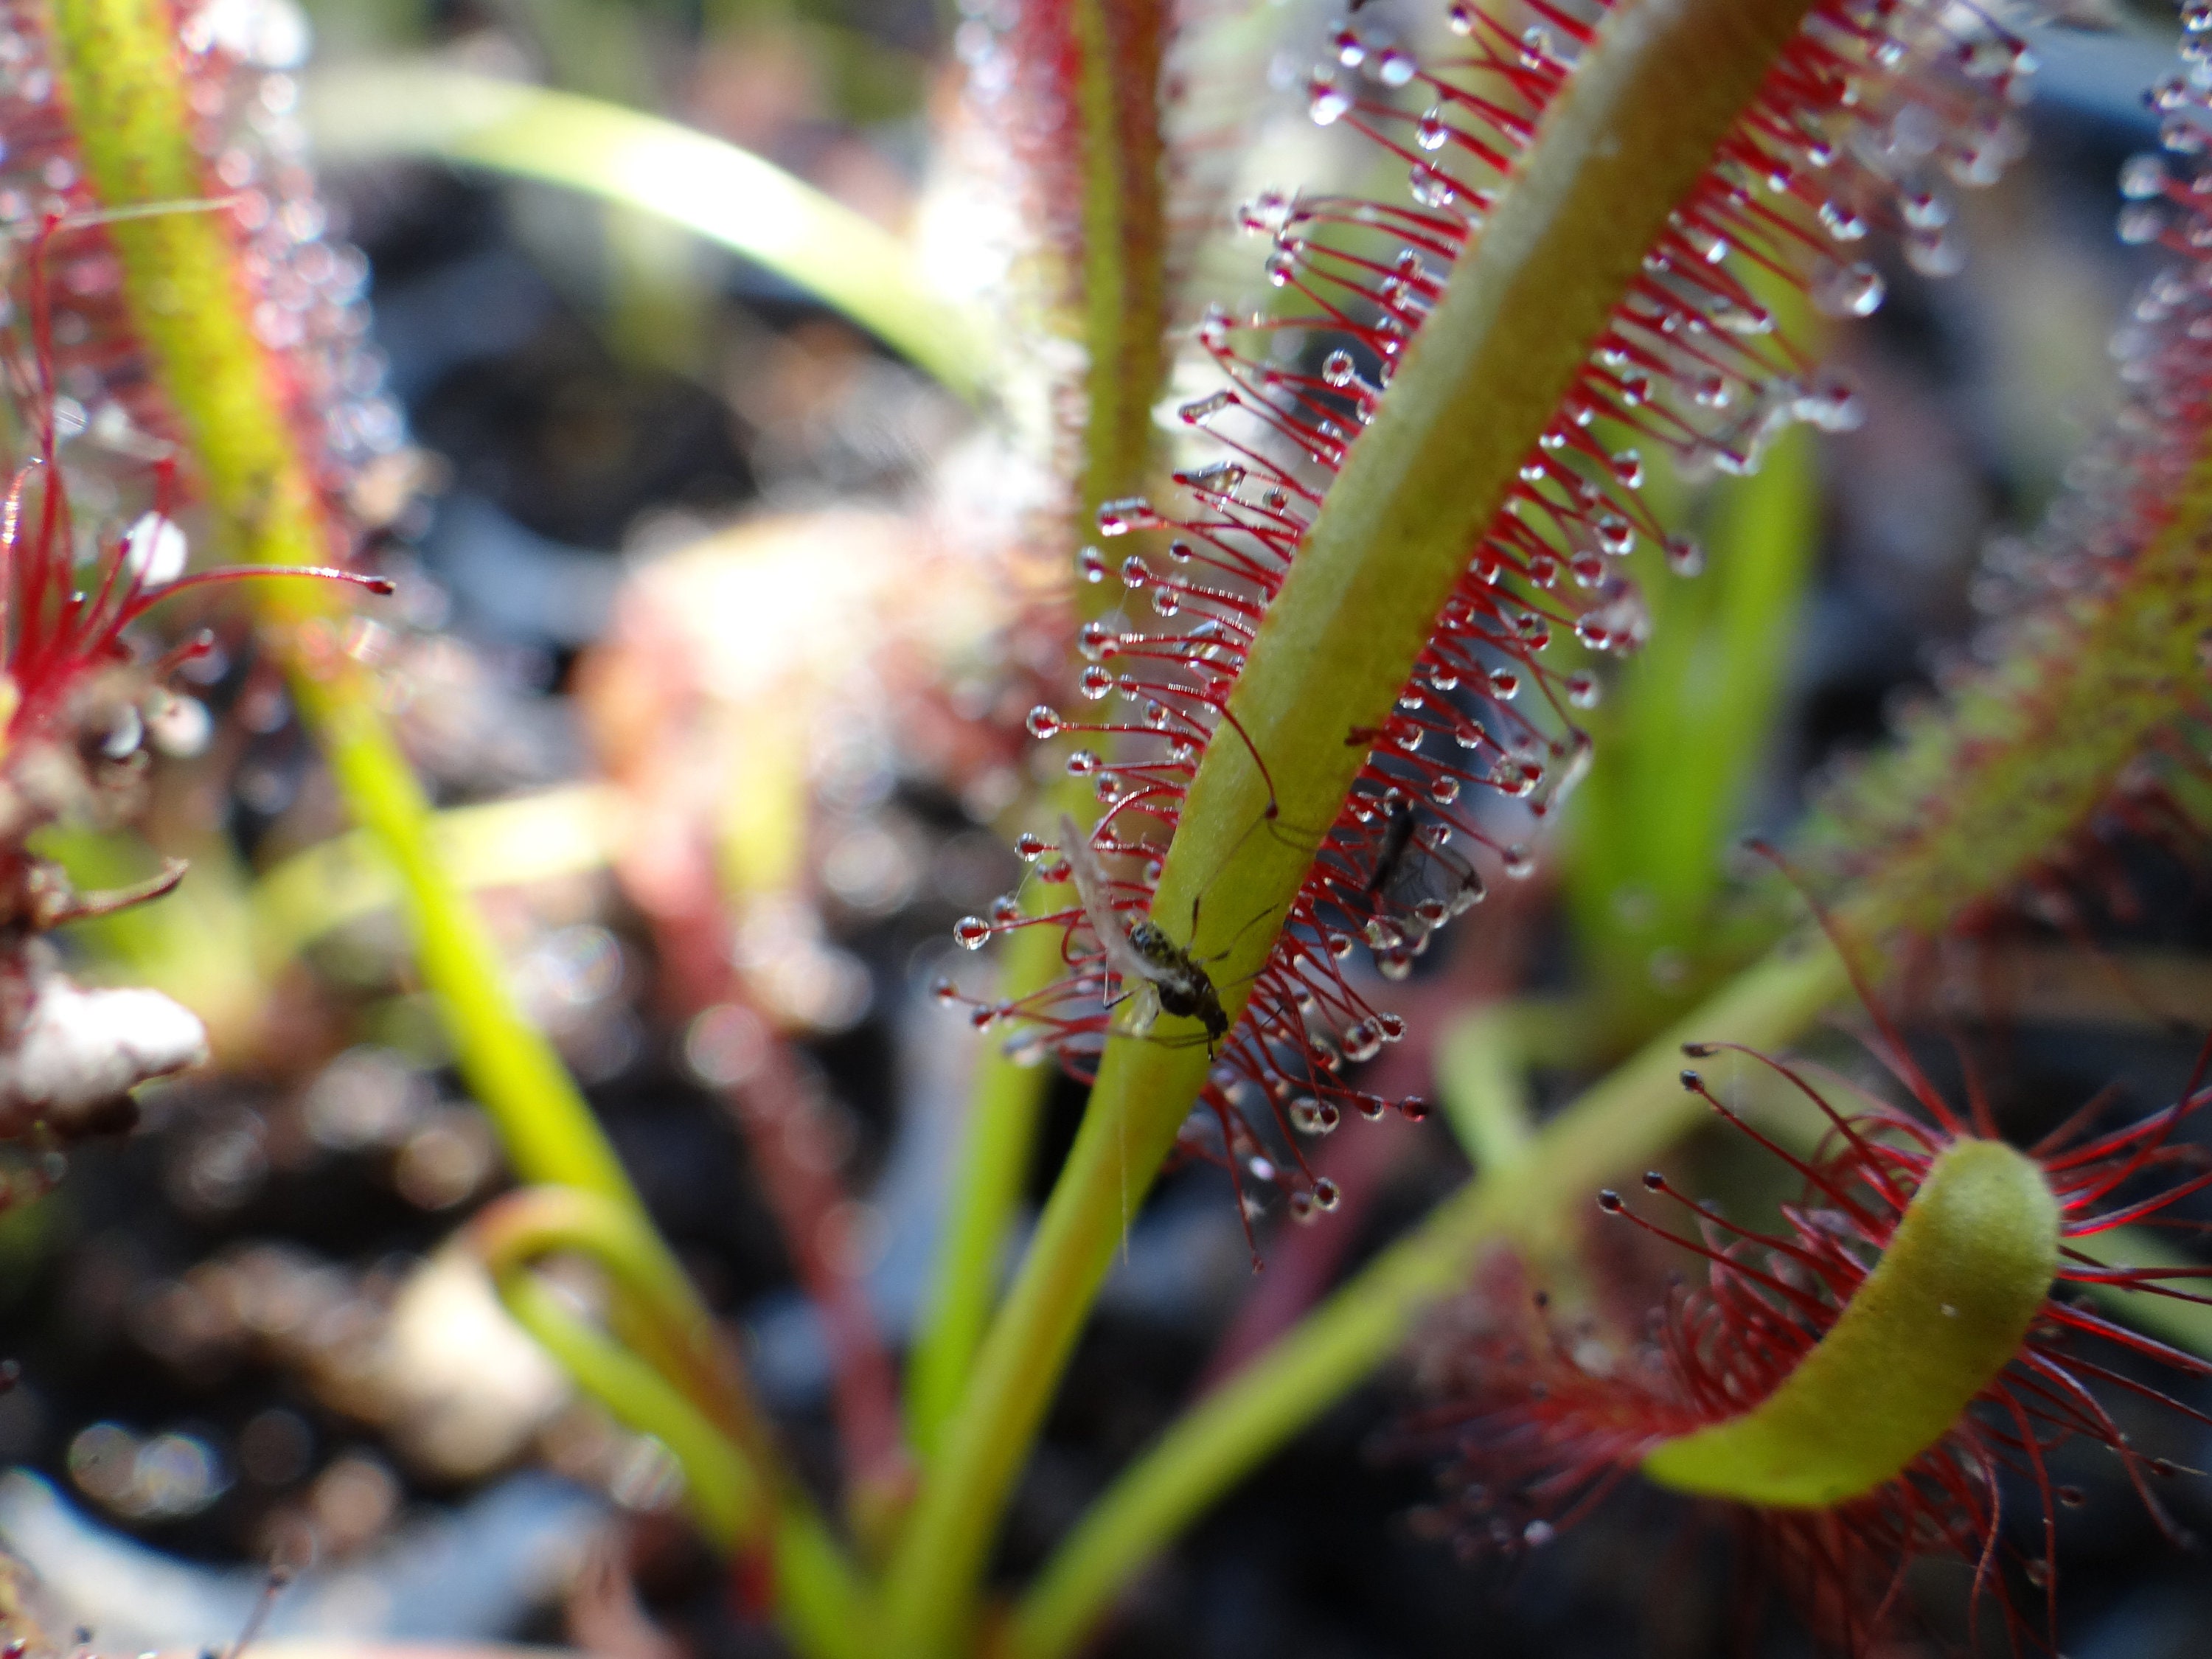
x=268 y=34
x=154 y=550
x=79 y=1053
x=469 y=1387
x=469 y=1574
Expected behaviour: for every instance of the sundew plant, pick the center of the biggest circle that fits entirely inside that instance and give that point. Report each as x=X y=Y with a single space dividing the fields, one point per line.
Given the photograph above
x=1252 y=701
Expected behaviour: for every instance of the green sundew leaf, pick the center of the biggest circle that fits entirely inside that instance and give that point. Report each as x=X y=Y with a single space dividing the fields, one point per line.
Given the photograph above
x=561 y=832
x=724 y=194
x=1944 y=1311
x=1966 y=802
x=1790 y=1120
x=1678 y=741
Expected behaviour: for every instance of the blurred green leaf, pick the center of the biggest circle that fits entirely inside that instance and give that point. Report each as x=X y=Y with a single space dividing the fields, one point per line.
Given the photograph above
x=532 y=838
x=722 y=193
x=193 y=944
x=1678 y=742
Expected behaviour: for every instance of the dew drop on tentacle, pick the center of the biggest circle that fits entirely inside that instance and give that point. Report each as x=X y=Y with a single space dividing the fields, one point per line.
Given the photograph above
x=1314 y=1117
x=1200 y=410
x=1326 y=101
x=1833 y=403
x=1431 y=186
x=1851 y=290
x=1843 y=222
x=2143 y=178
x=1118 y=517
x=1362 y=1041
x=1937 y=252
x=2141 y=223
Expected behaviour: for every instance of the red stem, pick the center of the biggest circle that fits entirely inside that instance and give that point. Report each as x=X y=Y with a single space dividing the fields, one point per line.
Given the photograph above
x=792 y=1145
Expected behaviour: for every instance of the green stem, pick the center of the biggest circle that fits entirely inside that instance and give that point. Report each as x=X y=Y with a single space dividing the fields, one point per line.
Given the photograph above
x=1004 y=1107
x=1654 y=96
x=1119 y=44
x=815 y=1585
x=1482 y=1084
x=719 y=1482
x=543 y=1119
x=1115 y=110
x=571 y=829
x=188 y=297
x=1637 y=1111
x=687 y=1393
x=2187 y=1324
x=1682 y=730
x=514 y=1231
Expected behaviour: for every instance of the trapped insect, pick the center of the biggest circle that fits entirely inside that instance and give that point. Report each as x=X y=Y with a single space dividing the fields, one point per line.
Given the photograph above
x=1148 y=961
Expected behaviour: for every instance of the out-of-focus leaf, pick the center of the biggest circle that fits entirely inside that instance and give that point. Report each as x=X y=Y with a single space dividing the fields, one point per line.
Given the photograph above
x=720 y=192
x=532 y=838
x=1678 y=745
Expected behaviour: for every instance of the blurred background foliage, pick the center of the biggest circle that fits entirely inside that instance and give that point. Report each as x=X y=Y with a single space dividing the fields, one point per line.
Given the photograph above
x=715 y=565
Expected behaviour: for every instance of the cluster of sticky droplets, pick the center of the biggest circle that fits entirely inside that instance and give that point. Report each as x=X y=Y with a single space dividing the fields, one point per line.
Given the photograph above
x=2037 y=592
x=1284 y=1064
x=309 y=289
